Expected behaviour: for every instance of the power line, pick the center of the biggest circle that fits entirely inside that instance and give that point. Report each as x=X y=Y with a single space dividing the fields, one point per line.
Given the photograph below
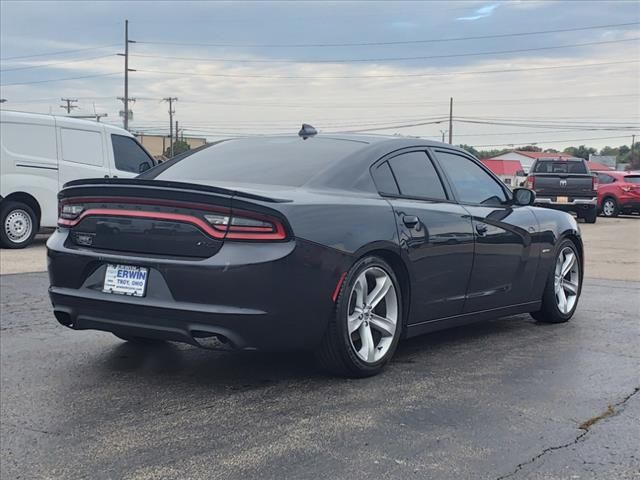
x=401 y=75
x=550 y=141
x=60 y=79
x=400 y=42
x=61 y=52
x=384 y=59
x=55 y=63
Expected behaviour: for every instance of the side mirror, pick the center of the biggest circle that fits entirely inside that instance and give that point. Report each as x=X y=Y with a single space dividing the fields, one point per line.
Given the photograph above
x=144 y=166
x=523 y=196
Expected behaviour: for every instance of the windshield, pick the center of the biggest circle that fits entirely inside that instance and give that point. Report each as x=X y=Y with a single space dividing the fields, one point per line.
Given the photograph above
x=273 y=161
x=550 y=166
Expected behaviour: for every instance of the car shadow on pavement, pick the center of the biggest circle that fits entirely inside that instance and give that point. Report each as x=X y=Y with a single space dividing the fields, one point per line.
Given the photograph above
x=240 y=370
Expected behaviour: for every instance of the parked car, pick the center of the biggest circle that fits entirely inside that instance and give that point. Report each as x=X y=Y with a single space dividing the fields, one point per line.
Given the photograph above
x=341 y=245
x=619 y=192
x=40 y=153
x=567 y=185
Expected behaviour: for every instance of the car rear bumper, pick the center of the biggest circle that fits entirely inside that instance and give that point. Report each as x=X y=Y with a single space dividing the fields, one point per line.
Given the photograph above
x=545 y=201
x=268 y=296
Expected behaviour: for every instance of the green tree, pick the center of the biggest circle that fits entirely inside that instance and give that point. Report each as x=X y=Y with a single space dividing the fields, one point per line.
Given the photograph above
x=179 y=146
x=529 y=148
x=581 y=151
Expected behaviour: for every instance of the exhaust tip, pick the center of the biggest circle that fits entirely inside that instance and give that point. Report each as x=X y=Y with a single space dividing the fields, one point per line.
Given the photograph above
x=211 y=342
x=63 y=318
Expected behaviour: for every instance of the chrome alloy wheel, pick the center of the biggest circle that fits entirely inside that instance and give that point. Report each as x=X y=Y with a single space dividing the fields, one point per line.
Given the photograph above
x=609 y=208
x=18 y=226
x=372 y=315
x=567 y=280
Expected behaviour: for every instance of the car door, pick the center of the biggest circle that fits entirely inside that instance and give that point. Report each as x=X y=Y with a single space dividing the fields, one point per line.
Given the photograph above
x=505 y=256
x=435 y=233
x=129 y=158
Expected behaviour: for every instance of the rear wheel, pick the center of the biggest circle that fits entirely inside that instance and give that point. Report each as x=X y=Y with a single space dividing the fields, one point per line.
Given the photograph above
x=562 y=291
x=362 y=337
x=610 y=207
x=19 y=224
x=591 y=215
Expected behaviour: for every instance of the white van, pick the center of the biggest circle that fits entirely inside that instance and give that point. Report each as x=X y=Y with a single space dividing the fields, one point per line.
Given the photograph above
x=40 y=153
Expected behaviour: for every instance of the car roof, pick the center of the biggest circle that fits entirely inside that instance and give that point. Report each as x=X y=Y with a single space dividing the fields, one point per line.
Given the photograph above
x=59 y=120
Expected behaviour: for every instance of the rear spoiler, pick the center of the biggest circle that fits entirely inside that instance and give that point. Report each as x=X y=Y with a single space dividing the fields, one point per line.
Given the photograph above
x=164 y=185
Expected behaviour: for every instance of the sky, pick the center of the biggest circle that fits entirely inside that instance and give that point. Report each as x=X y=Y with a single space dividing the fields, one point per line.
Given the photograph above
x=265 y=67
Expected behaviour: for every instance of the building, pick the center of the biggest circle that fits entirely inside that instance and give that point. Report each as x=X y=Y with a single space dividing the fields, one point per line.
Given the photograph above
x=599 y=167
x=510 y=172
x=526 y=159
x=609 y=161
x=156 y=145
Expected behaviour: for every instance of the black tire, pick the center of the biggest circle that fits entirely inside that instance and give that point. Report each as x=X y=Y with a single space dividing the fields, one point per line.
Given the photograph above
x=549 y=311
x=9 y=209
x=139 y=340
x=335 y=353
x=591 y=215
x=614 y=211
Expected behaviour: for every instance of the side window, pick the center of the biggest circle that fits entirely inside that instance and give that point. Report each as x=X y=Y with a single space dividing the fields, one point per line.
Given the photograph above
x=471 y=182
x=81 y=146
x=384 y=180
x=604 y=178
x=416 y=176
x=129 y=155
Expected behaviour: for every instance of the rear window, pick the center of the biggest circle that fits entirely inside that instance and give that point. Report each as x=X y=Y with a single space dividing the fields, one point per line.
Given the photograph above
x=272 y=161
x=632 y=179
x=550 y=166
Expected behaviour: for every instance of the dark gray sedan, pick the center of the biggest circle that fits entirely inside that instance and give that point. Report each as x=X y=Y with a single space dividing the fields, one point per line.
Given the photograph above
x=342 y=245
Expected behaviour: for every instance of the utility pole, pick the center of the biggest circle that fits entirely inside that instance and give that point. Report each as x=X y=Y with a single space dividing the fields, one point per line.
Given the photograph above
x=171 y=112
x=126 y=98
x=68 y=107
x=443 y=132
x=177 y=132
x=451 y=121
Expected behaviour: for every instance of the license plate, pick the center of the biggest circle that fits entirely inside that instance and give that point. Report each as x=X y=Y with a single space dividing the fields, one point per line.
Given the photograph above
x=562 y=199
x=126 y=280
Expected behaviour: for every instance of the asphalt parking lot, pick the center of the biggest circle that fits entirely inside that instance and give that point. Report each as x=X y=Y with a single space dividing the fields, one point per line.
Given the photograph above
x=505 y=399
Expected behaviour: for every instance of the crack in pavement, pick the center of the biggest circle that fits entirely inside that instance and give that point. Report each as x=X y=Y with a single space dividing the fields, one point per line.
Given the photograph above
x=585 y=426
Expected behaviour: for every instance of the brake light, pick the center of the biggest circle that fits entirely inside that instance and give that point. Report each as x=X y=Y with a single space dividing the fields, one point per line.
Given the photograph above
x=531 y=182
x=595 y=183
x=217 y=222
x=247 y=226
x=70 y=211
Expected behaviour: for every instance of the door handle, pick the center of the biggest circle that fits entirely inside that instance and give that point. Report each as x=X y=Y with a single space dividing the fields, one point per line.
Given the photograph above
x=481 y=228
x=410 y=220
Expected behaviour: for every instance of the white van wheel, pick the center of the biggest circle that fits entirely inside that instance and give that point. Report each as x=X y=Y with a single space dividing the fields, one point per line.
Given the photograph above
x=19 y=225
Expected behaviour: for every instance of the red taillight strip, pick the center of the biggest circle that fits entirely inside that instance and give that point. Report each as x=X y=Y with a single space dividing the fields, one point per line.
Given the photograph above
x=177 y=217
x=233 y=233
x=144 y=201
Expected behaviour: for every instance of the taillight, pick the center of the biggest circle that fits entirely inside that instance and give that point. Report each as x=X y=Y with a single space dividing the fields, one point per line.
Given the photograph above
x=595 y=183
x=247 y=226
x=70 y=211
x=217 y=222
x=531 y=182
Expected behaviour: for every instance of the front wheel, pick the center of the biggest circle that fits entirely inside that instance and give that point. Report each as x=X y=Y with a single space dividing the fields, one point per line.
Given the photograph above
x=19 y=224
x=610 y=207
x=564 y=283
x=364 y=333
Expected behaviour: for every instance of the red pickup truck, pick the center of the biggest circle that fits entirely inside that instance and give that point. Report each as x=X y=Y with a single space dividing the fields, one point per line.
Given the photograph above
x=619 y=192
